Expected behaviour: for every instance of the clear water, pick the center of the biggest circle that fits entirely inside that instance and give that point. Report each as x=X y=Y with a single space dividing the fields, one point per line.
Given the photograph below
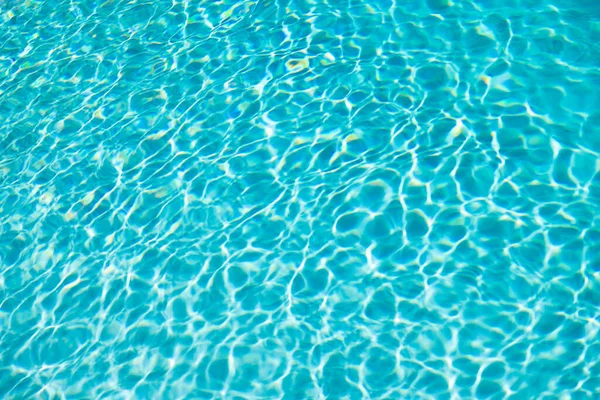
x=309 y=199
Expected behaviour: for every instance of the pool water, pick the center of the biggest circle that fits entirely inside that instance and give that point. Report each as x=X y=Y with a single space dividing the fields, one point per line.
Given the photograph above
x=312 y=199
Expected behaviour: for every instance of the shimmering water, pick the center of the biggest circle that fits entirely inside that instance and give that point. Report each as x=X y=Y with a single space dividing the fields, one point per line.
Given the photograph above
x=308 y=199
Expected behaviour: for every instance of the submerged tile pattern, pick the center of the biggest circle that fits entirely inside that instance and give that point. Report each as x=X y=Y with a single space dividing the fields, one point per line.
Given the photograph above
x=300 y=199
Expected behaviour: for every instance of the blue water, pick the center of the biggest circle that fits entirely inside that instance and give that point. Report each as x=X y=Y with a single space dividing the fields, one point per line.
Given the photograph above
x=317 y=199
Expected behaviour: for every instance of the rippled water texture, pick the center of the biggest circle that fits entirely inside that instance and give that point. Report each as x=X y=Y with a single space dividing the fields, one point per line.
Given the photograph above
x=313 y=199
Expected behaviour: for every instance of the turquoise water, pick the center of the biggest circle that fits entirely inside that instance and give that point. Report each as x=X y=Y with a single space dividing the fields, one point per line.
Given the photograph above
x=300 y=199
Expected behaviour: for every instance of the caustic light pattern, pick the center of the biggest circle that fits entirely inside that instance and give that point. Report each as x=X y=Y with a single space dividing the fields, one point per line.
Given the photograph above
x=315 y=199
